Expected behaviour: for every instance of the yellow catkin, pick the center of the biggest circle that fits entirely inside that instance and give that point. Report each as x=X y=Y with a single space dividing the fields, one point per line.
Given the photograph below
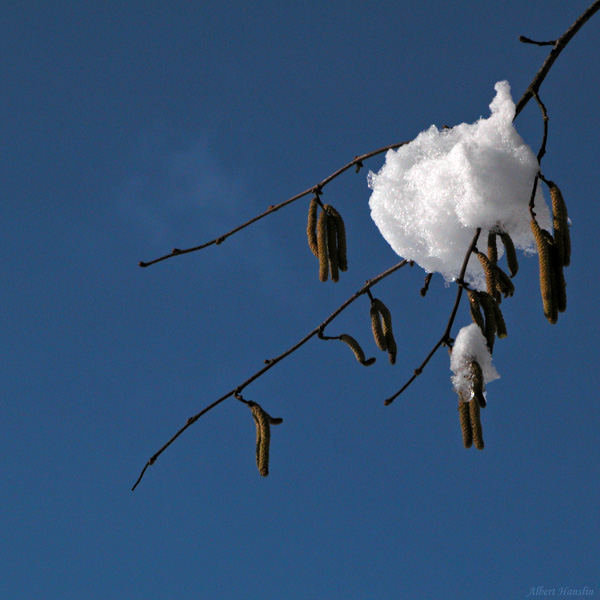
x=559 y=285
x=476 y=310
x=492 y=247
x=503 y=282
x=263 y=438
x=332 y=249
x=263 y=420
x=474 y=414
x=377 y=328
x=311 y=227
x=388 y=333
x=499 y=320
x=465 y=423
x=560 y=221
x=322 y=246
x=490 y=279
x=511 y=254
x=477 y=383
x=356 y=349
x=487 y=303
x=341 y=239
x=546 y=277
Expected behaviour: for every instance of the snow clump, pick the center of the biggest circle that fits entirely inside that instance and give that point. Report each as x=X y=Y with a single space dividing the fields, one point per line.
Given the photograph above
x=432 y=193
x=470 y=345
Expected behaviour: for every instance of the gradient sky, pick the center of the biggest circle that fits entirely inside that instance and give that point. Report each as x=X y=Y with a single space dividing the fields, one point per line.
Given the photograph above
x=131 y=128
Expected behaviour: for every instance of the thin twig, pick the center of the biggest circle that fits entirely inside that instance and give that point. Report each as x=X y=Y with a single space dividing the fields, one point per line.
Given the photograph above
x=559 y=46
x=527 y=40
x=446 y=335
x=315 y=189
x=272 y=362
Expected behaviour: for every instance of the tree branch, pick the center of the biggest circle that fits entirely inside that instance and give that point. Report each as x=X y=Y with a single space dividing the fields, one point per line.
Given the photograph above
x=559 y=46
x=446 y=335
x=356 y=162
x=270 y=363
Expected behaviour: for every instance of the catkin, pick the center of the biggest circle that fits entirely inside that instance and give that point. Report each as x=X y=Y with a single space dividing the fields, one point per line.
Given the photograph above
x=511 y=254
x=377 y=328
x=388 y=334
x=465 y=423
x=311 y=227
x=477 y=383
x=322 y=246
x=560 y=221
x=263 y=438
x=332 y=248
x=476 y=310
x=492 y=248
x=546 y=277
x=487 y=303
x=499 y=320
x=474 y=414
x=263 y=420
x=341 y=239
x=358 y=351
x=490 y=279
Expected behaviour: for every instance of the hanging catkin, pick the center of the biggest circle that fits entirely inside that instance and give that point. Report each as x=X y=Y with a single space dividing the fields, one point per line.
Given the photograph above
x=490 y=280
x=386 y=329
x=475 y=308
x=560 y=222
x=342 y=258
x=322 y=246
x=263 y=438
x=377 y=328
x=546 y=276
x=487 y=303
x=474 y=414
x=332 y=241
x=477 y=383
x=356 y=349
x=311 y=227
x=511 y=254
x=465 y=422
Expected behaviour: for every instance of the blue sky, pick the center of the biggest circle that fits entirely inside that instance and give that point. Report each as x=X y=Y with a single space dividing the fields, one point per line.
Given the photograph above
x=133 y=128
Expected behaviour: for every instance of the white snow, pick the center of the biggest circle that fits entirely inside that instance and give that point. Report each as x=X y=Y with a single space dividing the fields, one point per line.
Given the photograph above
x=431 y=194
x=470 y=345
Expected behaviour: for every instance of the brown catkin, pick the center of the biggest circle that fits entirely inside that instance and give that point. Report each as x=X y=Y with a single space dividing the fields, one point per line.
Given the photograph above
x=511 y=254
x=263 y=438
x=377 y=328
x=490 y=279
x=474 y=414
x=560 y=222
x=546 y=277
x=322 y=246
x=341 y=239
x=332 y=249
x=492 y=247
x=503 y=282
x=311 y=227
x=477 y=383
x=465 y=423
x=499 y=320
x=559 y=285
x=388 y=333
x=487 y=303
x=476 y=310
x=358 y=351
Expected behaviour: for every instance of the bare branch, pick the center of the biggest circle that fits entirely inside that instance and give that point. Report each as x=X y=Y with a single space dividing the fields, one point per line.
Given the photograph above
x=559 y=46
x=270 y=363
x=357 y=162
